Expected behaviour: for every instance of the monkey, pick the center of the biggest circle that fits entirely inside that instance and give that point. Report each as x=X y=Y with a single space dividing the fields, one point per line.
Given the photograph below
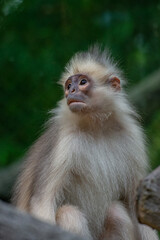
x=83 y=171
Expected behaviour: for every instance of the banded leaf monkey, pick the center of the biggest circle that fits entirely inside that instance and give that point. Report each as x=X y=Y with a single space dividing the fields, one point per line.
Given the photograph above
x=83 y=171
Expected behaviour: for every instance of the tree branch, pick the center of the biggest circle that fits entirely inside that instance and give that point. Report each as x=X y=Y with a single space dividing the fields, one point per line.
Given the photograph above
x=147 y=93
x=8 y=176
x=21 y=226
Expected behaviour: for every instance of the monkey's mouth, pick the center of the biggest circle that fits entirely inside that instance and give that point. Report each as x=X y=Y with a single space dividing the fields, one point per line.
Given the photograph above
x=76 y=105
x=74 y=101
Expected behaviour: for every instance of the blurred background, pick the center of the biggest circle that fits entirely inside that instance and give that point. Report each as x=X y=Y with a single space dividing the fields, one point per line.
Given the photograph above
x=38 y=37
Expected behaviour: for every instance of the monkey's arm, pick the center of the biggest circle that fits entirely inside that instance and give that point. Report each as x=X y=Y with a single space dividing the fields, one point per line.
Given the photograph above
x=41 y=177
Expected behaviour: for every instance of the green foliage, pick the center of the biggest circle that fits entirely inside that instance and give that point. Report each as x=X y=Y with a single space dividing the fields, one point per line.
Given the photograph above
x=154 y=134
x=38 y=37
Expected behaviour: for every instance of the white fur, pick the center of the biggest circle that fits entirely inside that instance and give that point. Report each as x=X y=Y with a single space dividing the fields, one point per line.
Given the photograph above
x=75 y=219
x=108 y=160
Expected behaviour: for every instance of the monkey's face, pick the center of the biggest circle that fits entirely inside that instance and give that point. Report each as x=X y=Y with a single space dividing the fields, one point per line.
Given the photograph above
x=83 y=95
x=77 y=91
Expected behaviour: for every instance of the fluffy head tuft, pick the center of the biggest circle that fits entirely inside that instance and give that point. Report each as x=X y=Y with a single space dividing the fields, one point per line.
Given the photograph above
x=95 y=62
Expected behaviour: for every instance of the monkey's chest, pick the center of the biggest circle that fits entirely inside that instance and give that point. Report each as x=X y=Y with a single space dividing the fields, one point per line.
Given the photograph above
x=94 y=179
x=97 y=165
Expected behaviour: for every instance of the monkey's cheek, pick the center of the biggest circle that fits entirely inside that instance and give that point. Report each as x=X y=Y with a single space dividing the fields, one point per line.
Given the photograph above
x=77 y=106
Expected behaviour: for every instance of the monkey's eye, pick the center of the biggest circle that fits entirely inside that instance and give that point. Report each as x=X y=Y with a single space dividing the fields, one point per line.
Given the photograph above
x=83 y=81
x=69 y=85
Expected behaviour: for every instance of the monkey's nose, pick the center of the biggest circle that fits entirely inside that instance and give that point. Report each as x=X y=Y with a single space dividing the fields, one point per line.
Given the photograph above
x=73 y=90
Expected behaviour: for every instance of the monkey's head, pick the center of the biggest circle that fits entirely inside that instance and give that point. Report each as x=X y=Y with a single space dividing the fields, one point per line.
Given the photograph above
x=91 y=82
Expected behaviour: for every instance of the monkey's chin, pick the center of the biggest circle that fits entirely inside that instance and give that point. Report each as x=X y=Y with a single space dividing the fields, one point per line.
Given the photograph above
x=77 y=106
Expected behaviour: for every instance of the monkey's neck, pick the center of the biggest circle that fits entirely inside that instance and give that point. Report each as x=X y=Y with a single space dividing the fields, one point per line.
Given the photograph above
x=93 y=123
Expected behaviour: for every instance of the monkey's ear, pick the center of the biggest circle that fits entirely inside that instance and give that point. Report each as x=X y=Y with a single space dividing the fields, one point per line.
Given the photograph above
x=114 y=82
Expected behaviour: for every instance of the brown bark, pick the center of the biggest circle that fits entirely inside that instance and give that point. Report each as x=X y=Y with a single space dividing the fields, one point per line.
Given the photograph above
x=148 y=200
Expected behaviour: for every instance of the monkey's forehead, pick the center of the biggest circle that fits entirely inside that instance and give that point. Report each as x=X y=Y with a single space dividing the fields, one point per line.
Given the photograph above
x=90 y=68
